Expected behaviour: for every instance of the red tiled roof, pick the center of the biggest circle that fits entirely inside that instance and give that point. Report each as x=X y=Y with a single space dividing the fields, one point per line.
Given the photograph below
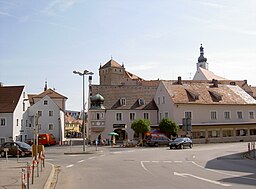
x=207 y=94
x=51 y=93
x=9 y=97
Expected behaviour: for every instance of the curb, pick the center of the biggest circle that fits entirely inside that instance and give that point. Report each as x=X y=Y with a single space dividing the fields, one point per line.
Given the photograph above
x=49 y=179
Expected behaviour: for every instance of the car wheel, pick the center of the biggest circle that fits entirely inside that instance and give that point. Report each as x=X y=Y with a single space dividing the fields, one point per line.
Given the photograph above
x=181 y=146
x=190 y=146
x=156 y=144
x=2 y=154
x=22 y=154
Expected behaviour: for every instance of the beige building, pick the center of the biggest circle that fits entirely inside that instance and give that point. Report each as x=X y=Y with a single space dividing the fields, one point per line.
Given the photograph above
x=218 y=112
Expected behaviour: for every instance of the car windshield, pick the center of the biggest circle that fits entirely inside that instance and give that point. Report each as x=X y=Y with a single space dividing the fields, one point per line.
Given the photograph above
x=178 y=139
x=23 y=145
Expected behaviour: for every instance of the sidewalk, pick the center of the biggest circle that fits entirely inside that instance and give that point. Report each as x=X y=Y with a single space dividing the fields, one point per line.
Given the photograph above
x=10 y=174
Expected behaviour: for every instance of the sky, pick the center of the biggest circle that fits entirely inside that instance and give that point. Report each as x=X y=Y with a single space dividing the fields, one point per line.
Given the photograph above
x=45 y=40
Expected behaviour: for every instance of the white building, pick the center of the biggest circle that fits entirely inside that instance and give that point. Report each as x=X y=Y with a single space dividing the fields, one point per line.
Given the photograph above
x=45 y=115
x=13 y=103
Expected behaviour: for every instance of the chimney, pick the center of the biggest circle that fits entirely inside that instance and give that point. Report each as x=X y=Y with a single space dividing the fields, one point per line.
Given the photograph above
x=215 y=82
x=179 y=80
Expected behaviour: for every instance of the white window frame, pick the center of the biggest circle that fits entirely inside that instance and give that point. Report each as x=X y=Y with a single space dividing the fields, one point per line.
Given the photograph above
x=227 y=115
x=213 y=115
x=132 y=116
x=45 y=102
x=50 y=113
x=166 y=114
x=148 y=115
x=123 y=101
x=239 y=114
x=251 y=115
x=50 y=124
x=163 y=99
x=4 y=123
x=158 y=100
x=119 y=116
x=188 y=114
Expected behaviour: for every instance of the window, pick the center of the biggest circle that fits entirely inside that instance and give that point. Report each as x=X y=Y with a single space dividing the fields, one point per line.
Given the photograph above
x=2 y=140
x=240 y=115
x=99 y=116
x=160 y=116
x=188 y=115
x=119 y=116
x=17 y=122
x=214 y=134
x=23 y=105
x=21 y=122
x=3 y=122
x=50 y=127
x=45 y=102
x=227 y=133
x=158 y=100
x=141 y=101
x=132 y=116
x=198 y=134
x=39 y=113
x=226 y=115
x=123 y=101
x=166 y=114
x=26 y=122
x=146 y=115
x=251 y=115
x=213 y=115
x=163 y=99
x=40 y=127
x=50 y=113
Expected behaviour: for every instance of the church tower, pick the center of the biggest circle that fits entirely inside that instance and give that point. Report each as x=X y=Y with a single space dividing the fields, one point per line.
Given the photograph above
x=202 y=61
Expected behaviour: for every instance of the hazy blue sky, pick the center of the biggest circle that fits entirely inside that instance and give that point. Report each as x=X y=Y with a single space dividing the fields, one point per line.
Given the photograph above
x=46 y=40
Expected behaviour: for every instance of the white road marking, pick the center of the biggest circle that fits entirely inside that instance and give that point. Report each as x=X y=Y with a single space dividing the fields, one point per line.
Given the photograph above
x=177 y=161
x=143 y=166
x=71 y=165
x=92 y=157
x=81 y=161
x=228 y=174
x=167 y=161
x=155 y=161
x=201 y=178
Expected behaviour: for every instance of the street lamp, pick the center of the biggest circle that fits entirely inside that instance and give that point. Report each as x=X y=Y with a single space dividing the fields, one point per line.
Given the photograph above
x=85 y=72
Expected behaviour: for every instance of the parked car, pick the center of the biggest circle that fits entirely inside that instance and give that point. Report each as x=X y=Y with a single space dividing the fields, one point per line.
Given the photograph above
x=157 y=140
x=181 y=143
x=16 y=148
x=46 y=139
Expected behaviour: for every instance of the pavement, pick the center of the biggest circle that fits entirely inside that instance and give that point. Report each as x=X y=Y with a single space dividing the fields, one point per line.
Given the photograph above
x=11 y=174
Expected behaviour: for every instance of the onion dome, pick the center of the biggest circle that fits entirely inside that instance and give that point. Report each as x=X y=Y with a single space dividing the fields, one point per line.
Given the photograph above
x=201 y=57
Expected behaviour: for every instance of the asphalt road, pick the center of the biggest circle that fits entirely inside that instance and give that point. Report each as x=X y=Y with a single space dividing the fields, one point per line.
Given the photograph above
x=208 y=166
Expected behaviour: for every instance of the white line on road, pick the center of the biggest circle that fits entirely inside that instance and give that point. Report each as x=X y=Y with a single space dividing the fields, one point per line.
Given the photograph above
x=167 y=161
x=155 y=161
x=81 y=161
x=177 y=161
x=201 y=178
x=228 y=174
x=71 y=165
x=143 y=166
x=92 y=157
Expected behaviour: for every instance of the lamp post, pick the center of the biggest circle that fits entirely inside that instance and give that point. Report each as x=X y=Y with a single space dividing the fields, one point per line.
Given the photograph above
x=85 y=72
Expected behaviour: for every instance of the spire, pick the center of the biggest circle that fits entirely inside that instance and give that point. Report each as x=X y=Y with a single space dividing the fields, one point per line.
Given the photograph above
x=45 y=86
x=201 y=57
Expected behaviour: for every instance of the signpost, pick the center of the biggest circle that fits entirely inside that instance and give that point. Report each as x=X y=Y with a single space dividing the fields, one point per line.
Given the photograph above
x=6 y=153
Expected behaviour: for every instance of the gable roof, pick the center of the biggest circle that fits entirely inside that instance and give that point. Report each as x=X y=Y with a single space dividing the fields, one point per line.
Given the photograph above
x=131 y=93
x=9 y=98
x=51 y=93
x=206 y=93
x=203 y=74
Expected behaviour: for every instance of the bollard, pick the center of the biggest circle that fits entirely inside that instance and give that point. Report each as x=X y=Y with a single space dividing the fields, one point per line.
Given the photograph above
x=249 y=148
x=33 y=170
x=28 y=174
x=23 y=184
x=37 y=165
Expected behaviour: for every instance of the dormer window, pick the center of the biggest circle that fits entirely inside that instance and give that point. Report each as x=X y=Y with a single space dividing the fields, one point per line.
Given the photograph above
x=122 y=101
x=192 y=94
x=141 y=101
x=45 y=102
x=216 y=96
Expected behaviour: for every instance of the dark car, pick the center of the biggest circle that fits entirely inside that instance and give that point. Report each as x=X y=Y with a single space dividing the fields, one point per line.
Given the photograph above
x=181 y=143
x=157 y=140
x=16 y=148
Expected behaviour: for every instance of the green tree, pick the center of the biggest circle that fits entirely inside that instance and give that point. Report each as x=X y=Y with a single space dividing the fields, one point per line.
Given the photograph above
x=168 y=127
x=141 y=126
